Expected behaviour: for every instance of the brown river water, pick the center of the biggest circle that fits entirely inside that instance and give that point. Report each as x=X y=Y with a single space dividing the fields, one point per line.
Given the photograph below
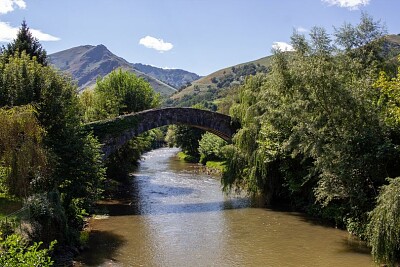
x=175 y=215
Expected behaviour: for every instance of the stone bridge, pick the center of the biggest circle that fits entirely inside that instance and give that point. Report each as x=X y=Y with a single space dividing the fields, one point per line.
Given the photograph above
x=114 y=133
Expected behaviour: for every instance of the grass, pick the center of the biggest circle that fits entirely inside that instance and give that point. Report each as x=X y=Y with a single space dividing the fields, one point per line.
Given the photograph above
x=8 y=205
x=216 y=165
x=187 y=158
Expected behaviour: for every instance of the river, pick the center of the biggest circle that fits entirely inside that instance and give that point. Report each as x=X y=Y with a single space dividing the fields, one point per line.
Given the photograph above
x=175 y=215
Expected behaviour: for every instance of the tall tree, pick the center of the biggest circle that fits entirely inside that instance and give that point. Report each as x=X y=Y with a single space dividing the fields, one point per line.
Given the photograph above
x=77 y=169
x=119 y=93
x=25 y=41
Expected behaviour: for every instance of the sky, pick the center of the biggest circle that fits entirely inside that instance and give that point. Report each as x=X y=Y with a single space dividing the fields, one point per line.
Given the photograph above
x=200 y=36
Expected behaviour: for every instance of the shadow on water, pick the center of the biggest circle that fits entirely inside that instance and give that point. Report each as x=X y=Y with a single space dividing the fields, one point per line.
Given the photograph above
x=350 y=244
x=354 y=245
x=128 y=208
x=106 y=244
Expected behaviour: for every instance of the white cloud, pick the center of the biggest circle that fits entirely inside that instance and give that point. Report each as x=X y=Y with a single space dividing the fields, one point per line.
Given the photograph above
x=282 y=46
x=350 y=4
x=9 y=33
x=301 y=29
x=157 y=44
x=43 y=36
x=7 y=6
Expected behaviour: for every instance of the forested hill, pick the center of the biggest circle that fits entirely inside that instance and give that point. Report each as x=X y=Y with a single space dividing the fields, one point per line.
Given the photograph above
x=174 y=77
x=86 y=63
x=209 y=90
x=217 y=85
x=224 y=78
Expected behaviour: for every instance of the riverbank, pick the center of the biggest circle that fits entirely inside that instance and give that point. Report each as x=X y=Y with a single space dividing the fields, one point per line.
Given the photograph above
x=211 y=167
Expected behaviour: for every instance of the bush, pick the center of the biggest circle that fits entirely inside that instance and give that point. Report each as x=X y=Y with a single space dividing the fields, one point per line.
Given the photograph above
x=14 y=251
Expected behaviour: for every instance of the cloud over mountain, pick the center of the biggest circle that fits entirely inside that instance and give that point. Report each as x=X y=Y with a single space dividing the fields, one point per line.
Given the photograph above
x=155 y=43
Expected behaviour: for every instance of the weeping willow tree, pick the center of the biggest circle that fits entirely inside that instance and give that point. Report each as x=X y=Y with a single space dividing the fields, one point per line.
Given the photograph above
x=22 y=156
x=384 y=227
x=311 y=131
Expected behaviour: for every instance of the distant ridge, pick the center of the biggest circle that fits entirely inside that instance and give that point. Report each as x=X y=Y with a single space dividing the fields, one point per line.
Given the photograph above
x=87 y=62
x=174 y=77
x=391 y=50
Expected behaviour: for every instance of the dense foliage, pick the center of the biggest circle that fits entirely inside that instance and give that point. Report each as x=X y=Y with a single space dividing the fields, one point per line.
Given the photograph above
x=23 y=159
x=26 y=42
x=211 y=148
x=14 y=251
x=238 y=75
x=384 y=226
x=119 y=93
x=64 y=164
x=315 y=131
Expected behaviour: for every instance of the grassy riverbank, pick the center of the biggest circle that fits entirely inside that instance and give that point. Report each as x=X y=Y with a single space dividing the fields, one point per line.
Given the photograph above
x=211 y=166
x=8 y=205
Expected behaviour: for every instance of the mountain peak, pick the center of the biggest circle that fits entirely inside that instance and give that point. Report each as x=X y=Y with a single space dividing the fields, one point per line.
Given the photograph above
x=86 y=63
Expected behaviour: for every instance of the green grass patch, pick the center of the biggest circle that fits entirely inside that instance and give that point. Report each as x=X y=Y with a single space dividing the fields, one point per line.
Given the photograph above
x=187 y=158
x=217 y=165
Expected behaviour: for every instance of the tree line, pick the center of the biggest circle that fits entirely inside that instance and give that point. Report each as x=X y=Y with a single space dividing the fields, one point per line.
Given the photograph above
x=320 y=132
x=47 y=160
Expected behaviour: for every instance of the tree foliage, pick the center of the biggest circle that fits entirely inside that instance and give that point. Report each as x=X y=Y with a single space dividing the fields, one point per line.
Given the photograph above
x=313 y=126
x=14 y=251
x=384 y=226
x=22 y=154
x=118 y=93
x=210 y=147
x=75 y=160
x=26 y=42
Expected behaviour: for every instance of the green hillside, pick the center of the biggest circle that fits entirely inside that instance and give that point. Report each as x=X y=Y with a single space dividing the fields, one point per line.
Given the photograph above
x=208 y=82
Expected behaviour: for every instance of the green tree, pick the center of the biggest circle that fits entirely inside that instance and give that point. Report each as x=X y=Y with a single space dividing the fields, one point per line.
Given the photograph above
x=76 y=167
x=210 y=147
x=119 y=93
x=26 y=42
x=22 y=155
x=188 y=138
x=311 y=131
x=122 y=92
x=383 y=227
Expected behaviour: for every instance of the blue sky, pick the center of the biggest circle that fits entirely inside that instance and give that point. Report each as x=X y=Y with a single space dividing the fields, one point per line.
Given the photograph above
x=196 y=35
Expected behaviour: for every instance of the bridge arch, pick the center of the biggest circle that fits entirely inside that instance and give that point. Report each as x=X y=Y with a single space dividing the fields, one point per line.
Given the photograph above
x=114 y=133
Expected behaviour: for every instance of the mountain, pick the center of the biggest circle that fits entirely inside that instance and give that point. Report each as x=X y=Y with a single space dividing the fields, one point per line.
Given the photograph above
x=174 y=77
x=86 y=63
x=222 y=79
x=216 y=84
